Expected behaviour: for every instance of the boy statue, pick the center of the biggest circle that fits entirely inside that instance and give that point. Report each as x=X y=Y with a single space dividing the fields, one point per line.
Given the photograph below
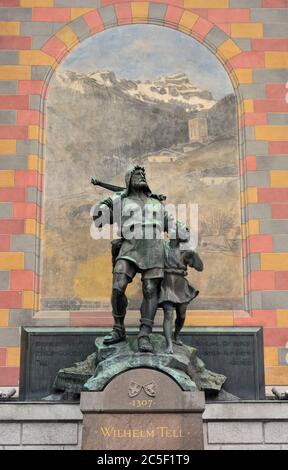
x=176 y=292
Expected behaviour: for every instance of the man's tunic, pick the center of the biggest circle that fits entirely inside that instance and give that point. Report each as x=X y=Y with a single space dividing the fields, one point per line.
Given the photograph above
x=143 y=222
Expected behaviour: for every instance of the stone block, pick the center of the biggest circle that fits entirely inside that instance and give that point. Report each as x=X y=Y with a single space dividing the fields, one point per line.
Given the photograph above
x=8 y=87
x=245 y=3
x=4 y=318
x=254 y=262
x=243 y=43
x=13 y=162
x=157 y=11
x=265 y=132
x=10 y=28
x=6 y=210
x=244 y=75
x=80 y=28
x=254 y=147
x=32 y=195
x=16 y=14
x=274 y=226
x=9 y=433
x=252 y=91
x=40 y=72
x=229 y=49
x=274 y=299
x=143 y=430
x=275 y=59
x=39 y=28
x=274 y=261
x=20 y=317
x=34 y=57
x=279 y=179
x=274 y=163
x=15 y=72
x=108 y=16
x=39 y=40
x=12 y=260
x=7 y=180
x=67 y=36
x=247 y=30
x=280 y=242
x=235 y=432
x=7 y=147
x=269 y=15
x=77 y=3
x=276 y=432
x=9 y=57
x=258 y=178
x=139 y=11
x=255 y=300
x=216 y=37
x=49 y=433
x=277 y=118
x=24 y=147
x=35 y=101
x=9 y=337
x=4 y=280
x=270 y=75
x=259 y=211
x=246 y=411
x=7 y=116
x=39 y=412
x=23 y=243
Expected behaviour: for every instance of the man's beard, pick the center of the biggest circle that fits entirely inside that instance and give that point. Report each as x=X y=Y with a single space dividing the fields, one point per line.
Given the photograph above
x=141 y=186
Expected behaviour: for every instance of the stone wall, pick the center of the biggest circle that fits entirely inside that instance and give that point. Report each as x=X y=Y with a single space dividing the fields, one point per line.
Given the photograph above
x=40 y=426
x=227 y=426
x=246 y=426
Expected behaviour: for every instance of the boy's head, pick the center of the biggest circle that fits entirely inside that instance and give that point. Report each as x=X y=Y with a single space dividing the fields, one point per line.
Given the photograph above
x=193 y=260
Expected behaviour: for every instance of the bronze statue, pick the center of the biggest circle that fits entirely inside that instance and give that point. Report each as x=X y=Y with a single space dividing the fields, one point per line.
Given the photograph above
x=135 y=254
x=163 y=267
x=176 y=292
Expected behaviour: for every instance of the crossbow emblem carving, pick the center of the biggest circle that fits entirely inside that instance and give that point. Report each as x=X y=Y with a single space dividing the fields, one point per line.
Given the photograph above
x=135 y=389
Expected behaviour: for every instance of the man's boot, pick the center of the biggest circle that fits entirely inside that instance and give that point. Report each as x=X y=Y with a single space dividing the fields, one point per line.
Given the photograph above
x=144 y=343
x=117 y=334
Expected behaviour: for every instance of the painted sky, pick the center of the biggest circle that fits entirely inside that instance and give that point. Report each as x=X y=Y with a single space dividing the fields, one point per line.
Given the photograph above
x=146 y=52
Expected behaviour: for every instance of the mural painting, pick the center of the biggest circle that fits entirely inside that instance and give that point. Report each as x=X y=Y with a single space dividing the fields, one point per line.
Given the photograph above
x=149 y=95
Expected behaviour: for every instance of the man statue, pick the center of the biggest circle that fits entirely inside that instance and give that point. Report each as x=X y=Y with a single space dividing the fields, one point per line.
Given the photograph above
x=143 y=220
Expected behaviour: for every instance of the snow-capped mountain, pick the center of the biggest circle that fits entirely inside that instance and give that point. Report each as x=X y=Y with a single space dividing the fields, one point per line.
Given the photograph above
x=175 y=89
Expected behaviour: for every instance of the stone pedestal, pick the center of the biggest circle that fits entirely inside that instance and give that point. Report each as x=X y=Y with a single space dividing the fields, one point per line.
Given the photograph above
x=145 y=409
